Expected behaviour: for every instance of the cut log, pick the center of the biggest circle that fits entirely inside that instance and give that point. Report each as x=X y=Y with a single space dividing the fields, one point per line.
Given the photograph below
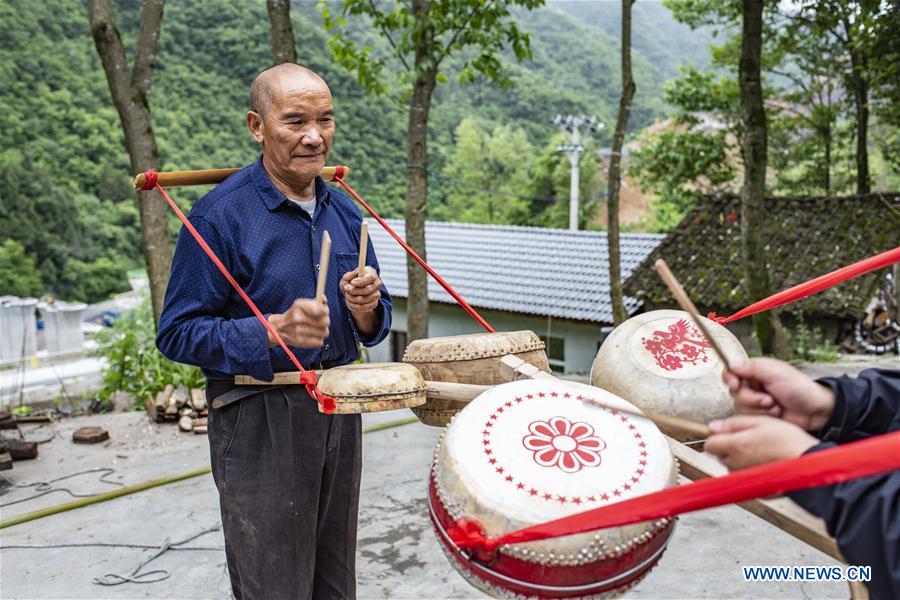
x=5 y=462
x=33 y=419
x=185 y=423
x=90 y=435
x=162 y=398
x=19 y=449
x=186 y=411
x=201 y=422
x=150 y=405
x=201 y=429
x=198 y=398
x=179 y=397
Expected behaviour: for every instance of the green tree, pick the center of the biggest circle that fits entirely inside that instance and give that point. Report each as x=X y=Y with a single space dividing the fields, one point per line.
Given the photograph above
x=130 y=91
x=487 y=172
x=754 y=145
x=549 y=186
x=18 y=272
x=678 y=165
x=422 y=35
x=614 y=179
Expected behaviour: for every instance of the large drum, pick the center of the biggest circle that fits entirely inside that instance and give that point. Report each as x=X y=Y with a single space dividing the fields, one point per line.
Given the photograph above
x=474 y=359
x=661 y=362
x=373 y=387
x=528 y=452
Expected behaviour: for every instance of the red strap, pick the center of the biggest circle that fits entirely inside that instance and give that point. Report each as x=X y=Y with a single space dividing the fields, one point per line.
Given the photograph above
x=307 y=378
x=449 y=289
x=859 y=459
x=814 y=285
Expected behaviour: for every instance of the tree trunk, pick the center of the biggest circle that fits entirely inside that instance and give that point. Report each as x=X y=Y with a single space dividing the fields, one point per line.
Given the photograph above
x=826 y=139
x=283 y=48
x=130 y=94
x=417 y=183
x=754 y=149
x=615 y=171
x=861 y=100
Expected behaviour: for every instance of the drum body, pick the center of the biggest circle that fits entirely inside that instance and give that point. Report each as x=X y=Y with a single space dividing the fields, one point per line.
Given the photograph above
x=528 y=452
x=659 y=361
x=373 y=387
x=474 y=359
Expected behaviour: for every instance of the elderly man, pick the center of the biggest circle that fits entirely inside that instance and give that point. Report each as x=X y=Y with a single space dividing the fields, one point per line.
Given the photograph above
x=288 y=476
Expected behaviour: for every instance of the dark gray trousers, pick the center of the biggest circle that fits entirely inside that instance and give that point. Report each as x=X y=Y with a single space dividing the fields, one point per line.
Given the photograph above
x=288 y=480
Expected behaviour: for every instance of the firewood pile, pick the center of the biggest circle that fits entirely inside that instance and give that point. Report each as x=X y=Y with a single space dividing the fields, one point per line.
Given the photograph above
x=13 y=445
x=187 y=407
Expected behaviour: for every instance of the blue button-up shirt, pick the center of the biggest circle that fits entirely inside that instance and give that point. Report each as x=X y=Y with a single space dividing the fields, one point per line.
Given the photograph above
x=271 y=247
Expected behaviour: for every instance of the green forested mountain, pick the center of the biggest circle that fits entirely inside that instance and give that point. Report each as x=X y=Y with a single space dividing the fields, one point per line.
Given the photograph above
x=64 y=174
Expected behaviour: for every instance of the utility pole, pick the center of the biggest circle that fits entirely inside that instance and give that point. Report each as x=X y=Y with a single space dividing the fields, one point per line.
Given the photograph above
x=575 y=124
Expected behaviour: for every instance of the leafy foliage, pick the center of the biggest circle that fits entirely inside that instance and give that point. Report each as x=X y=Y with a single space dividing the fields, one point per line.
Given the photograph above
x=134 y=365
x=18 y=273
x=807 y=344
x=680 y=164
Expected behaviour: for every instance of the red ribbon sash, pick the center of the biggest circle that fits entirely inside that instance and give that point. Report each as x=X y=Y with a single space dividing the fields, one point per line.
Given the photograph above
x=813 y=286
x=859 y=459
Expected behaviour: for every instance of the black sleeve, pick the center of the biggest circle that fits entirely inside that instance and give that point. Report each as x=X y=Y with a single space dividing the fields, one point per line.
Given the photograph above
x=863 y=515
x=864 y=406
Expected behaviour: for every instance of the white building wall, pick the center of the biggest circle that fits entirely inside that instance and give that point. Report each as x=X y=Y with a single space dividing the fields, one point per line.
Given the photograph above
x=581 y=338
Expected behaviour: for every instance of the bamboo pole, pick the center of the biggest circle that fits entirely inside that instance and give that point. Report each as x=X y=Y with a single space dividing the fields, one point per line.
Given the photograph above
x=211 y=176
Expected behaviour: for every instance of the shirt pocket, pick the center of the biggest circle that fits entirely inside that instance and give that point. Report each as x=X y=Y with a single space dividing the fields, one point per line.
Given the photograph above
x=346 y=261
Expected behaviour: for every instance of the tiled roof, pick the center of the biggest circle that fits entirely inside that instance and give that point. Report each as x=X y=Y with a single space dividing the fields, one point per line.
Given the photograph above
x=530 y=270
x=806 y=237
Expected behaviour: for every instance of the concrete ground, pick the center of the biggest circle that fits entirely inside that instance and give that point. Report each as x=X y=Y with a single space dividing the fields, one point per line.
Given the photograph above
x=398 y=557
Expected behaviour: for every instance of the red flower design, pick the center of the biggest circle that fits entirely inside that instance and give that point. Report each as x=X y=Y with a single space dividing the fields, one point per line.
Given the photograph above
x=558 y=442
x=681 y=344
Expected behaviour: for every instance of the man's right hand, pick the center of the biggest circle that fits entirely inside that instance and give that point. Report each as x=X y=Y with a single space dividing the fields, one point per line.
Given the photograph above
x=765 y=386
x=304 y=325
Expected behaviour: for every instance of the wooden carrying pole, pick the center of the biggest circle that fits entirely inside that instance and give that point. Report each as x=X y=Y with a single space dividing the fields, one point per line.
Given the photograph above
x=211 y=176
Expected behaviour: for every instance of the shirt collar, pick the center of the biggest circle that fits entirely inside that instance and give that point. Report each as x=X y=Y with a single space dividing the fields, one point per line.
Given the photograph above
x=273 y=198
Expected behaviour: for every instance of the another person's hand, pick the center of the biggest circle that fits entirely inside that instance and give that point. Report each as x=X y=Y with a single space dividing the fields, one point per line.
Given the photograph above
x=304 y=325
x=746 y=441
x=361 y=294
x=772 y=387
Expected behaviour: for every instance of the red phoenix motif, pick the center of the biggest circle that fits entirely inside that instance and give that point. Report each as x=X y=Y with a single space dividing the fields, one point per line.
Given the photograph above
x=558 y=442
x=680 y=345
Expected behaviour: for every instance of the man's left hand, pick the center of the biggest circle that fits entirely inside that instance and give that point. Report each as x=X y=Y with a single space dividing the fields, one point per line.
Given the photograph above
x=361 y=294
x=746 y=441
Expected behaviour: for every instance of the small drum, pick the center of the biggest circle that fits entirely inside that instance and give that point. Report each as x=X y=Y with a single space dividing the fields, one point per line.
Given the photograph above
x=373 y=387
x=474 y=359
x=661 y=362
x=532 y=451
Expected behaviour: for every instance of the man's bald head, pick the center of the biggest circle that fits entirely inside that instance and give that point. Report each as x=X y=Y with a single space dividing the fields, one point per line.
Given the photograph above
x=265 y=84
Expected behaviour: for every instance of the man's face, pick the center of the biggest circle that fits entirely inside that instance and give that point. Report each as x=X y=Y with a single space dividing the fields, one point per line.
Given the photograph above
x=296 y=129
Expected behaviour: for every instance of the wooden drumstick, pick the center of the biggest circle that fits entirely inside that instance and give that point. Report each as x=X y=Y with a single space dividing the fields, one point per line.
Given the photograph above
x=687 y=306
x=324 y=256
x=363 y=248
